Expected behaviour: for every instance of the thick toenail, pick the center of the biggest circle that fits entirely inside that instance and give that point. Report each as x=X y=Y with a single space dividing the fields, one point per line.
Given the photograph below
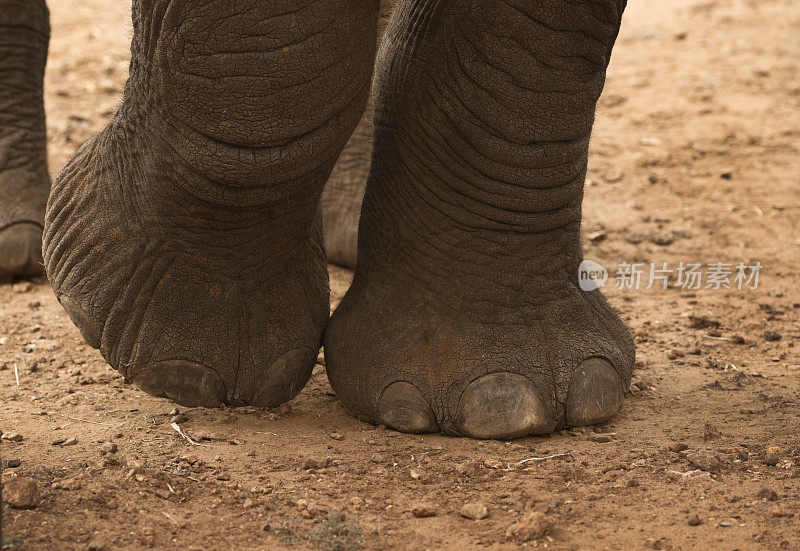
x=503 y=405
x=21 y=250
x=595 y=393
x=284 y=378
x=90 y=329
x=186 y=383
x=403 y=408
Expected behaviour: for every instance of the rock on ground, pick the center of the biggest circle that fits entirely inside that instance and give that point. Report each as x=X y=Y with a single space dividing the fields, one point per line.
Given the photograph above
x=21 y=492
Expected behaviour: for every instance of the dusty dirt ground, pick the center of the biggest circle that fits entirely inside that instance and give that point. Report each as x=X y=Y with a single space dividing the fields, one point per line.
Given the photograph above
x=694 y=159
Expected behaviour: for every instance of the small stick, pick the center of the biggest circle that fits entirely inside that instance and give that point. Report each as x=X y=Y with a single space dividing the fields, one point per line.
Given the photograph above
x=719 y=338
x=16 y=372
x=541 y=458
x=169 y=517
x=186 y=436
x=93 y=422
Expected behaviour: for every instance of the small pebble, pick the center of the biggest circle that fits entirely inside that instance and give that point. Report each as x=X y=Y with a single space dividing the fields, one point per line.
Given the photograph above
x=424 y=510
x=13 y=437
x=70 y=441
x=22 y=287
x=768 y=494
x=704 y=461
x=771 y=459
x=475 y=511
x=694 y=520
x=651 y=142
x=679 y=447
x=315 y=463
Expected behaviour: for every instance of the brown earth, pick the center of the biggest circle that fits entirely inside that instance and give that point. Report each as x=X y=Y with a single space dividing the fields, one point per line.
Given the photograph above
x=695 y=159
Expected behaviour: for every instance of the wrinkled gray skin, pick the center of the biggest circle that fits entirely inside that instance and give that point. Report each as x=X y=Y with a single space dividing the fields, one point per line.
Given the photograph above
x=185 y=240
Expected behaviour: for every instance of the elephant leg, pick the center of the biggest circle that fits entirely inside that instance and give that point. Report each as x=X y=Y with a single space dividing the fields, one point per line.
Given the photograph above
x=341 y=198
x=185 y=239
x=24 y=179
x=343 y=193
x=465 y=315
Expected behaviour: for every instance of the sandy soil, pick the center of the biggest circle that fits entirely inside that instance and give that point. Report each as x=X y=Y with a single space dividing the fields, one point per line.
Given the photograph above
x=695 y=159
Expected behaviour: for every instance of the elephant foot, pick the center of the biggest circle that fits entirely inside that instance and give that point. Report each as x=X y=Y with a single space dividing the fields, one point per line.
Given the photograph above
x=463 y=354
x=195 y=301
x=24 y=178
x=465 y=315
x=21 y=250
x=185 y=240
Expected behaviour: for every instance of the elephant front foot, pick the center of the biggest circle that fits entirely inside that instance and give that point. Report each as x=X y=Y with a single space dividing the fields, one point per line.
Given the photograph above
x=185 y=240
x=197 y=301
x=470 y=356
x=465 y=314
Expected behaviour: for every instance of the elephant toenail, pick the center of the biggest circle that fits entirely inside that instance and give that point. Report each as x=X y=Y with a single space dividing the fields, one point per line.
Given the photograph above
x=503 y=405
x=595 y=394
x=403 y=408
x=185 y=382
x=285 y=378
x=91 y=330
x=21 y=250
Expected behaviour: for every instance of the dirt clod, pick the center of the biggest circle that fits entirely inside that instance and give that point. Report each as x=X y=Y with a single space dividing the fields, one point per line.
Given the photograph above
x=147 y=537
x=21 y=492
x=679 y=447
x=710 y=431
x=768 y=494
x=532 y=527
x=705 y=461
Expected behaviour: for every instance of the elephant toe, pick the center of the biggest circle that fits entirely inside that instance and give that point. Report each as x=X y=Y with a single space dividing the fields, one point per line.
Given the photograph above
x=502 y=406
x=595 y=393
x=402 y=407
